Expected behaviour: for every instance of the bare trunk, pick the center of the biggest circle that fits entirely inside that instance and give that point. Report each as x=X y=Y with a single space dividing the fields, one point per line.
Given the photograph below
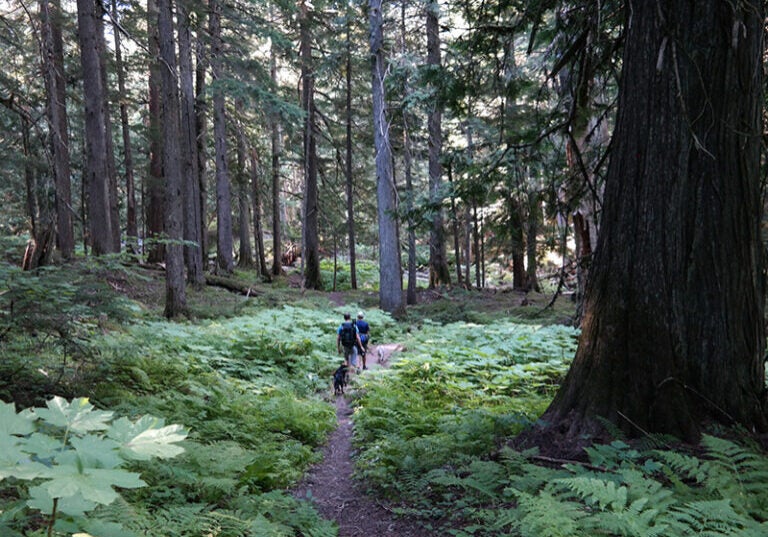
x=95 y=172
x=201 y=130
x=224 y=240
x=390 y=271
x=193 y=254
x=348 y=168
x=439 y=274
x=55 y=83
x=258 y=231
x=277 y=267
x=245 y=254
x=175 y=292
x=310 y=244
x=154 y=187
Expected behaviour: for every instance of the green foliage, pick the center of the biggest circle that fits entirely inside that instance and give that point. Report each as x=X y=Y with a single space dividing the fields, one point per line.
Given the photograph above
x=367 y=275
x=72 y=455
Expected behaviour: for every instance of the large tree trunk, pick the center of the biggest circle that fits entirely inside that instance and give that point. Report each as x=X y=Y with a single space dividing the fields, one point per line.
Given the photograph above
x=56 y=109
x=439 y=273
x=224 y=255
x=310 y=229
x=673 y=332
x=95 y=172
x=154 y=187
x=175 y=292
x=131 y=230
x=390 y=270
x=193 y=254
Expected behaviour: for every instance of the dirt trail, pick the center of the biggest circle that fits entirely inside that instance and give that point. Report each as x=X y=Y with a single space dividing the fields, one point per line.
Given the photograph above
x=340 y=497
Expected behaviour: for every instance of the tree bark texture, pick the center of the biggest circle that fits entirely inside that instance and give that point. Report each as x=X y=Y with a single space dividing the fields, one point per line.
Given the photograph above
x=258 y=231
x=224 y=239
x=55 y=83
x=193 y=254
x=311 y=247
x=673 y=331
x=245 y=252
x=201 y=128
x=175 y=291
x=132 y=229
x=390 y=270
x=439 y=273
x=95 y=172
x=154 y=187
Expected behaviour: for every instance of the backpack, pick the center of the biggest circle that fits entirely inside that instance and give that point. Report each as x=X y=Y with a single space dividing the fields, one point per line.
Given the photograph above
x=347 y=334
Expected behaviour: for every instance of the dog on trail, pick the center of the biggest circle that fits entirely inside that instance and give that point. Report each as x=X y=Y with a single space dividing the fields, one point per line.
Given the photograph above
x=380 y=355
x=339 y=379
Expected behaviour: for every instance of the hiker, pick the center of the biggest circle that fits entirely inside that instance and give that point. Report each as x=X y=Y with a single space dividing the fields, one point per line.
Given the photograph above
x=348 y=339
x=364 y=331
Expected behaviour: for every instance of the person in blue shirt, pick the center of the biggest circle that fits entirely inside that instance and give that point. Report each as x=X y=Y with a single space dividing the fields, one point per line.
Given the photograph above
x=364 y=332
x=347 y=338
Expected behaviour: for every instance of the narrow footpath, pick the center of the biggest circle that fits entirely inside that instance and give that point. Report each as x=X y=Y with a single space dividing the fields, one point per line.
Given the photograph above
x=340 y=497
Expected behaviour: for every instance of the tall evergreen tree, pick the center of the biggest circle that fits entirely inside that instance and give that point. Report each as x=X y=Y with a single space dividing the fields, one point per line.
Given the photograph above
x=673 y=333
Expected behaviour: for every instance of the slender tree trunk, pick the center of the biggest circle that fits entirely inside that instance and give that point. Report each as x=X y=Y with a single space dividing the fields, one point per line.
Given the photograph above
x=348 y=164
x=154 y=186
x=258 y=231
x=277 y=267
x=132 y=230
x=476 y=235
x=455 y=225
x=95 y=172
x=673 y=333
x=201 y=129
x=193 y=254
x=531 y=242
x=411 y=296
x=310 y=254
x=175 y=292
x=390 y=270
x=114 y=206
x=224 y=256
x=517 y=242
x=55 y=83
x=245 y=255
x=439 y=273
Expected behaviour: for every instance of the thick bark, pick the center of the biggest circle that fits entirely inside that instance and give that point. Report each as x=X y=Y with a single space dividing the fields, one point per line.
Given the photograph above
x=390 y=270
x=56 y=109
x=95 y=172
x=175 y=292
x=310 y=229
x=193 y=254
x=348 y=166
x=673 y=331
x=439 y=273
x=224 y=255
x=154 y=186
x=131 y=229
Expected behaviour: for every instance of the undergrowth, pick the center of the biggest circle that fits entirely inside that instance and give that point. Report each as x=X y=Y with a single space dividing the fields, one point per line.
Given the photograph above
x=432 y=436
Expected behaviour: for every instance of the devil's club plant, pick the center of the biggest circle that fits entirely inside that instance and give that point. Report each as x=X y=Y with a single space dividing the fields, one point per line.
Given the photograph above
x=72 y=454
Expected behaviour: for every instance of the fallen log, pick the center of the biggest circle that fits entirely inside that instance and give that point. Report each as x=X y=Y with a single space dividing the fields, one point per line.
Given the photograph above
x=230 y=284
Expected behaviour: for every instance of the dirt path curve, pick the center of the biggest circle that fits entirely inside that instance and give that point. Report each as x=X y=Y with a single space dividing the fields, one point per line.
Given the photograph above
x=340 y=497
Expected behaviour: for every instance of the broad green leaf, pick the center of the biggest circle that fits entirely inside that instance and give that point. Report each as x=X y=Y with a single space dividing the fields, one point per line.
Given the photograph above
x=147 y=438
x=12 y=423
x=93 y=483
x=78 y=416
x=74 y=505
x=97 y=452
x=42 y=446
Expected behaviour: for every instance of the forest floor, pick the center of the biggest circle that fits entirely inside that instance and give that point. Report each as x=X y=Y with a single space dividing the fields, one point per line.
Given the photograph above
x=337 y=494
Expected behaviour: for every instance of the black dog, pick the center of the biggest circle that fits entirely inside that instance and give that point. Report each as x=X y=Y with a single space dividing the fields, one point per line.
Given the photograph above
x=339 y=379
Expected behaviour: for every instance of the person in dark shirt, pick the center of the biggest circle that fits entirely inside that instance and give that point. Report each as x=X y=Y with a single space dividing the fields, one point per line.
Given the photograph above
x=364 y=331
